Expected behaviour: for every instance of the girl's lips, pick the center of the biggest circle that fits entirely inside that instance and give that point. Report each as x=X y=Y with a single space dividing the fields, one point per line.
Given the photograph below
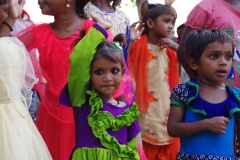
x=221 y=73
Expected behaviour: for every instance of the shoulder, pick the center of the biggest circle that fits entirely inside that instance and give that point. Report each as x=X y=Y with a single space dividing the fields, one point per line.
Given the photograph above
x=237 y=90
x=207 y=4
x=180 y=94
x=121 y=14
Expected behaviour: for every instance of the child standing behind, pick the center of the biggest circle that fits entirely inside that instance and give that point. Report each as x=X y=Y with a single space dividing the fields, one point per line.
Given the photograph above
x=105 y=128
x=203 y=113
x=155 y=72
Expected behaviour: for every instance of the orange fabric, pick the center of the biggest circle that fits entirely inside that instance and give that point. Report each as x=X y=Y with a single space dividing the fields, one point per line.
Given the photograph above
x=173 y=72
x=166 y=152
x=138 y=60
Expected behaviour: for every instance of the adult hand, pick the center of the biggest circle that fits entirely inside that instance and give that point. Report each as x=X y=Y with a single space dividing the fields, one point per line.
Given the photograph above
x=169 y=2
x=105 y=24
x=136 y=30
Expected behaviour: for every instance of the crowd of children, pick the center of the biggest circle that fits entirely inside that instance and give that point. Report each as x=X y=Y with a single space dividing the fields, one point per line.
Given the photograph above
x=109 y=90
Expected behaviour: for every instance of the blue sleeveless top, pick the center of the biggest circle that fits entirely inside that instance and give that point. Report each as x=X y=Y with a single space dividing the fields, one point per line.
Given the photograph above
x=206 y=142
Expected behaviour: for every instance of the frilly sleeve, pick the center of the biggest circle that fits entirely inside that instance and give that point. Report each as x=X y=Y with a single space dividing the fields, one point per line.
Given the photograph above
x=179 y=95
x=81 y=58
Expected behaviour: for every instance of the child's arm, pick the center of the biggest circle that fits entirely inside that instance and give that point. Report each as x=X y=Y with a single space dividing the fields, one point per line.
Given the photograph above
x=178 y=128
x=81 y=58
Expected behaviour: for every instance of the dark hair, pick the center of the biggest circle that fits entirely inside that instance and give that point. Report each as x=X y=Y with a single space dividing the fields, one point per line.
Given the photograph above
x=115 y=3
x=198 y=40
x=80 y=4
x=108 y=51
x=121 y=38
x=152 y=11
x=3 y=2
x=182 y=26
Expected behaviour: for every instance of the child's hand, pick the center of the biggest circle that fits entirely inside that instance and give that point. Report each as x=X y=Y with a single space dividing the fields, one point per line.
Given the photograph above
x=105 y=24
x=136 y=30
x=15 y=8
x=217 y=124
x=168 y=43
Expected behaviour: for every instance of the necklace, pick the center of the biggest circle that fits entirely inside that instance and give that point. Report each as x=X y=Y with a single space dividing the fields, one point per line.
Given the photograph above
x=111 y=103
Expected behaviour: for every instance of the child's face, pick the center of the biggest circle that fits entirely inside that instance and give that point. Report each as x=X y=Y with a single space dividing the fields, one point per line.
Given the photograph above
x=105 y=77
x=52 y=7
x=3 y=12
x=164 y=25
x=215 y=62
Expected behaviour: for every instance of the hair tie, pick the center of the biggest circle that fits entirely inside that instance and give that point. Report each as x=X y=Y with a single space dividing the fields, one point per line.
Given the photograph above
x=117 y=45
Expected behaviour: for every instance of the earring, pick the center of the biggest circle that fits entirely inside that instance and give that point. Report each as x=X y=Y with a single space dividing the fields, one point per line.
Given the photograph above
x=68 y=5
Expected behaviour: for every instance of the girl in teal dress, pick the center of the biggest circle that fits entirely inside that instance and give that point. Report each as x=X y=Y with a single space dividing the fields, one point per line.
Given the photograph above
x=204 y=111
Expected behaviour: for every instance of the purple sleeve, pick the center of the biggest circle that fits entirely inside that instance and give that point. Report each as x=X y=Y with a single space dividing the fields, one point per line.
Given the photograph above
x=103 y=31
x=133 y=130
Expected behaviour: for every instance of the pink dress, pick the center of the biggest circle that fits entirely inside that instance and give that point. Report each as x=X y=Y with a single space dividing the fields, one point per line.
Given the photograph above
x=54 y=121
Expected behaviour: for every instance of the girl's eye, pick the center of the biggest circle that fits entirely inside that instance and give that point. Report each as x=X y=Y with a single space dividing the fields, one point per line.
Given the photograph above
x=229 y=57
x=115 y=71
x=213 y=56
x=98 y=72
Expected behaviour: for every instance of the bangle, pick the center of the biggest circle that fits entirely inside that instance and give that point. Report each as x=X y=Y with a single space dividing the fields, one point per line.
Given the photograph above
x=7 y=25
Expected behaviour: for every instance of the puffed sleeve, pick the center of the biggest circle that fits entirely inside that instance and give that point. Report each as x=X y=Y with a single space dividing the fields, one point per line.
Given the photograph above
x=179 y=95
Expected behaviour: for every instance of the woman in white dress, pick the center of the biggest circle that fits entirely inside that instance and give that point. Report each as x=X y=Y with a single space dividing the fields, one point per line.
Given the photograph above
x=19 y=138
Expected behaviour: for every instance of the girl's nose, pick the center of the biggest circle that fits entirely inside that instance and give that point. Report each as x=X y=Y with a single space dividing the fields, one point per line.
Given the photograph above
x=107 y=77
x=223 y=61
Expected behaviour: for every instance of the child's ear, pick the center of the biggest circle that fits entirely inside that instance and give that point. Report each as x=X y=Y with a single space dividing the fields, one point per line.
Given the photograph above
x=150 y=23
x=192 y=63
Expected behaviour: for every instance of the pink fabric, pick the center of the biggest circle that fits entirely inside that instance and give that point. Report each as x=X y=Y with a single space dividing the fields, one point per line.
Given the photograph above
x=217 y=14
x=125 y=87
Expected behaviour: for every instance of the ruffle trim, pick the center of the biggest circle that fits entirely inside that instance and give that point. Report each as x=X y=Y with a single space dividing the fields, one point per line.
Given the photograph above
x=199 y=109
x=100 y=121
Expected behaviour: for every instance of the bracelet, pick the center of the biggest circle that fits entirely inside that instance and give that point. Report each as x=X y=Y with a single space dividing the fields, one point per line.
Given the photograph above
x=7 y=25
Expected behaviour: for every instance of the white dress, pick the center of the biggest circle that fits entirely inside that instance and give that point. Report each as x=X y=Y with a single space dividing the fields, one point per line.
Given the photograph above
x=19 y=137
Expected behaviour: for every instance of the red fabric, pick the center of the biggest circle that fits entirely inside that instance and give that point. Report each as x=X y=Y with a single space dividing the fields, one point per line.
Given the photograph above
x=54 y=121
x=137 y=61
x=173 y=72
x=25 y=13
x=165 y=152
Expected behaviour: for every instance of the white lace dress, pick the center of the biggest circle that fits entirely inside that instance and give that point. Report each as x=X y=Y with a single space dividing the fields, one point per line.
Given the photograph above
x=19 y=137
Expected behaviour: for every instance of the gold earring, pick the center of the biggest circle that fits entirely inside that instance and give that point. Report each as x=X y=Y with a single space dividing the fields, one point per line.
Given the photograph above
x=68 y=5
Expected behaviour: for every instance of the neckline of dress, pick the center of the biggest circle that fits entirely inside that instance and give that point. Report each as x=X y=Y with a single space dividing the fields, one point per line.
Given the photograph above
x=114 y=9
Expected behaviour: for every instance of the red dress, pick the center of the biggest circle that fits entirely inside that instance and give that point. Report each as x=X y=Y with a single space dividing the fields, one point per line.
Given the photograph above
x=54 y=121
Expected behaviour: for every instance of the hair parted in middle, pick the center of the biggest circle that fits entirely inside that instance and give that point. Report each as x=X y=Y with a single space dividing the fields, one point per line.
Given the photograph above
x=110 y=52
x=152 y=11
x=197 y=41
